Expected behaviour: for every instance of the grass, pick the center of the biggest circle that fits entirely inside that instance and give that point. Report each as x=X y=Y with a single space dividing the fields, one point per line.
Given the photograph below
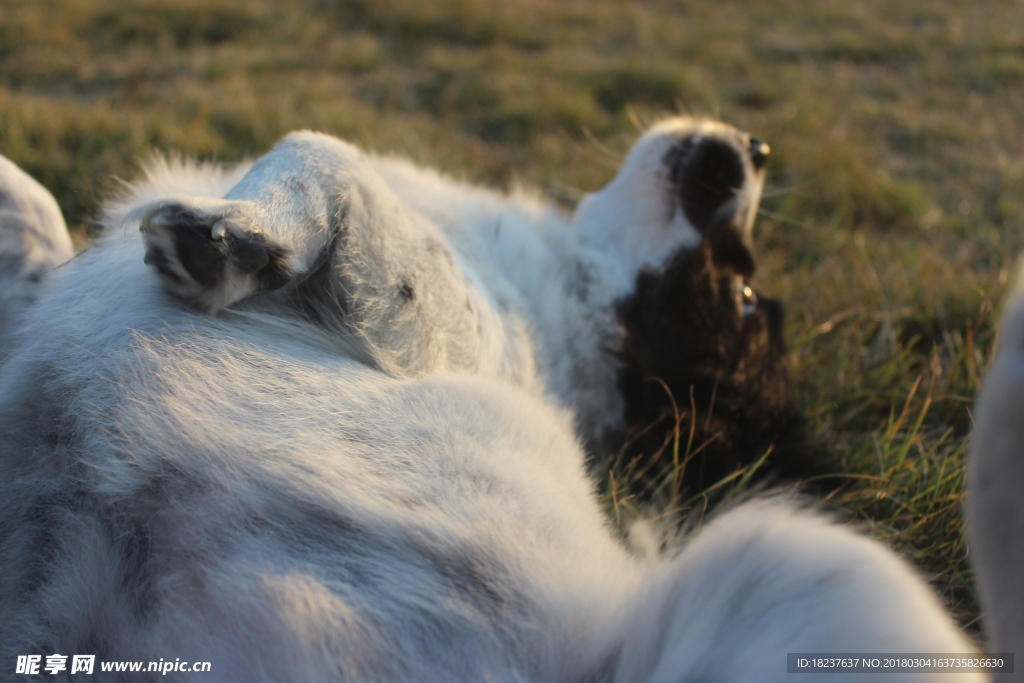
x=897 y=178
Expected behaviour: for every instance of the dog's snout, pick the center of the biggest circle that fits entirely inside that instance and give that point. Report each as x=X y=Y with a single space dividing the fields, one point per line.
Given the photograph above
x=707 y=172
x=759 y=151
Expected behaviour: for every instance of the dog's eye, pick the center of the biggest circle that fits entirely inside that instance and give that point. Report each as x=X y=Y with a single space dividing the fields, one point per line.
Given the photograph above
x=748 y=300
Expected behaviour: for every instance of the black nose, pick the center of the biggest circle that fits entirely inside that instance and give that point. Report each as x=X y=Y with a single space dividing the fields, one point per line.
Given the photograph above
x=759 y=151
x=707 y=173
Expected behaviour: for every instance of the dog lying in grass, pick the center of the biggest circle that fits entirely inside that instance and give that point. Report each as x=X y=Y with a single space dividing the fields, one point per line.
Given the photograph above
x=318 y=419
x=672 y=364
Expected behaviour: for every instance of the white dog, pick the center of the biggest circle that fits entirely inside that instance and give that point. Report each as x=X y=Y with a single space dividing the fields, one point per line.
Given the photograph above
x=327 y=434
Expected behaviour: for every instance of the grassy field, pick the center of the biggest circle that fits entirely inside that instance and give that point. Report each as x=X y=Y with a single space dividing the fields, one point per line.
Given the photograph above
x=896 y=195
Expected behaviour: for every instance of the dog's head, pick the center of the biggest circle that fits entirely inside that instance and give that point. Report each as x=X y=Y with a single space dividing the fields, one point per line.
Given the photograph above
x=703 y=362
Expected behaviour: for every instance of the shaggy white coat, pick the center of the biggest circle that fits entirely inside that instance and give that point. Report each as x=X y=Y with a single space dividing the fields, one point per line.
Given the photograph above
x=33 y=241
x=396 y=494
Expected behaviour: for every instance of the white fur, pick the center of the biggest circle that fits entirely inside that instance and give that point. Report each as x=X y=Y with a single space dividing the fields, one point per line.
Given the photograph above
x=396 y=494
x=33 y=240
x=995 y=487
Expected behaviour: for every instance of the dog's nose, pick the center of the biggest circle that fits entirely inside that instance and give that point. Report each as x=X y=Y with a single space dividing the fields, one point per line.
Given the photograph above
x=759 y=151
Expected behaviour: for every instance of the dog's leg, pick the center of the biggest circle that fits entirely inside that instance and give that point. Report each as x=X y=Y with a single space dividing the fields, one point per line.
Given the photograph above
x=275 y=226
x=313 y=216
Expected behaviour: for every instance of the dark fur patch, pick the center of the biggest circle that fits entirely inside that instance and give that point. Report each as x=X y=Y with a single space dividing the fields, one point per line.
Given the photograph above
x=728 y=250
x=274 y=273
x=206 y=259
x=156 y=257
x=203 y=257
x=707 y=174
x=704 y=384
x=38 y=528
x=407 y=291
x=134 y=541
x=249 y=252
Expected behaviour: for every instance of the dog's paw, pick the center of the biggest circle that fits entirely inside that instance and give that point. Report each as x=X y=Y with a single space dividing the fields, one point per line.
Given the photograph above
x=210 y=259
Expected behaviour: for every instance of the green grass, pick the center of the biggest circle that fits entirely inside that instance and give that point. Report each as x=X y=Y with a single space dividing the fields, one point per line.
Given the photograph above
x=896 y=182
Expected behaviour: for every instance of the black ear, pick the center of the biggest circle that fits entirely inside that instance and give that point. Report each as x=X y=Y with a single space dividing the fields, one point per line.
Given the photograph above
x=708 y=174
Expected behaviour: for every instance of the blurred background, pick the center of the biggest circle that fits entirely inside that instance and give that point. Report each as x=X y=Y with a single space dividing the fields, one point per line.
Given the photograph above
x=894 y=209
